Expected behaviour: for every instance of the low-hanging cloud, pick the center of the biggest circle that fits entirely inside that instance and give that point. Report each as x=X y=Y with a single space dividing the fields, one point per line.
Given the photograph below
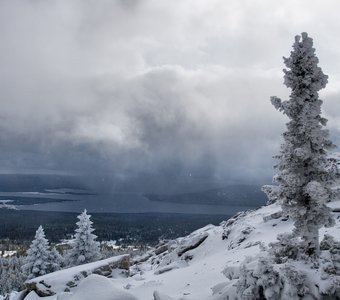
x=152 y=86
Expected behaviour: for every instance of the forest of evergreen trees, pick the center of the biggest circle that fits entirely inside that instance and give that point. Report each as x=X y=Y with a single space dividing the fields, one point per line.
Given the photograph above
x=19 y=226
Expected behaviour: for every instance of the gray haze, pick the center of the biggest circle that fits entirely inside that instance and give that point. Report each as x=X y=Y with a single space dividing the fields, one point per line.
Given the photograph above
x=155 y=87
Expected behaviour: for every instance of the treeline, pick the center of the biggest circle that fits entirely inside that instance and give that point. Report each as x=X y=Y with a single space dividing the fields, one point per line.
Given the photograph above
x=148 y=228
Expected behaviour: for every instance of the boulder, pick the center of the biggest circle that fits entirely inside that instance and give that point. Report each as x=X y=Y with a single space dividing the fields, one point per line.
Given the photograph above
x=191 y=243
x=273 y=216
x=161 y=249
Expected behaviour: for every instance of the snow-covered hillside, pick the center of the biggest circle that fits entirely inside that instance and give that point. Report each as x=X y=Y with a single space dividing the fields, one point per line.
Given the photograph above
x=189 y=268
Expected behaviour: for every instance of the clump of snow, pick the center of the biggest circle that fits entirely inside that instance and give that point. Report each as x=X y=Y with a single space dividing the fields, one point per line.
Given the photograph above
x=32 y=296
x=159 y=296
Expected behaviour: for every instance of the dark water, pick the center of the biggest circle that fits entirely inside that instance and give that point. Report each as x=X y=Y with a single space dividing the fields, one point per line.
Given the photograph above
x=118 y=203
x=103 y=194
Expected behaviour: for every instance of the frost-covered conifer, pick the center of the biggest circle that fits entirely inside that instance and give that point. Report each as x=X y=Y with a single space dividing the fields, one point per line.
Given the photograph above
x=56 y=260
x=11 y=276
x=37 y=261
x=304 y=175
x=260 y=282
x=85 y=248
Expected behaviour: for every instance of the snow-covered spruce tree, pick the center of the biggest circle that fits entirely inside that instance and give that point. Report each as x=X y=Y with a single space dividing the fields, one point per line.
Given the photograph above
x=304 y=178
x=262 y=282
x=37 y=261
x=85 y=248
x=56 y=260
x=11 y=276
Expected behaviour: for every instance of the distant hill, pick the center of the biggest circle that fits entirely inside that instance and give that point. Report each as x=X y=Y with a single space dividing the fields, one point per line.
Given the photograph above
x=232 y=195
x=38 y=182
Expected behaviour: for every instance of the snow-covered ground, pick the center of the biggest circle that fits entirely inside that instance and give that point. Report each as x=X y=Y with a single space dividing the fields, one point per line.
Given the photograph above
x=190 y=268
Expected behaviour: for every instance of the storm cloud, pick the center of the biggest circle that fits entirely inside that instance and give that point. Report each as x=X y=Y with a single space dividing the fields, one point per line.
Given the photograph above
x=173 y=87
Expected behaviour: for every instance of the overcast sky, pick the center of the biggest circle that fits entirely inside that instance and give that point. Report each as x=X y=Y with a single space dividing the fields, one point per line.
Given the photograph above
x=172 y=87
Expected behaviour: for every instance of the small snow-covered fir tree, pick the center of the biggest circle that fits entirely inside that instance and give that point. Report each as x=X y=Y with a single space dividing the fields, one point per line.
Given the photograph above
x=304 y=175
x=85 y=248
x=37 y=261
x=56 y=260
x=11 y=276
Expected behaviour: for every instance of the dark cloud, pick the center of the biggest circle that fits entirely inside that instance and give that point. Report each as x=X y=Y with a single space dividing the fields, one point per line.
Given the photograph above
x=130 y=87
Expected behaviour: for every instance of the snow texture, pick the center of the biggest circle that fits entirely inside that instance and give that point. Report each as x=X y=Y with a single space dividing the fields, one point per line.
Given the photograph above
x=99 y=287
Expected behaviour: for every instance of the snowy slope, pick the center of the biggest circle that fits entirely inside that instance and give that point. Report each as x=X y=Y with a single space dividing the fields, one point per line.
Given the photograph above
x=66 y=279
x=178 y=272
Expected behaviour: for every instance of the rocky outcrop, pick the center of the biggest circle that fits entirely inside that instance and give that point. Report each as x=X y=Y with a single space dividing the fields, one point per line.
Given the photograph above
x=40 y=287
x=170 y=255
x=65 y=280
x=192 y=243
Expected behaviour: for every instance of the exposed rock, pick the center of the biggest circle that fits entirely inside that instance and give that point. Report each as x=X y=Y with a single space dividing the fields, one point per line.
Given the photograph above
x=173 y=254
x=225 y=234
x=227 y=225
x=142 y=258
x=241 y=240
x=191 y=243
x=274 y=216
x=252 y=244
x=41 y=289
x=233 y=219
x=161 y=249
x=247 y=230
x=71 y=284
